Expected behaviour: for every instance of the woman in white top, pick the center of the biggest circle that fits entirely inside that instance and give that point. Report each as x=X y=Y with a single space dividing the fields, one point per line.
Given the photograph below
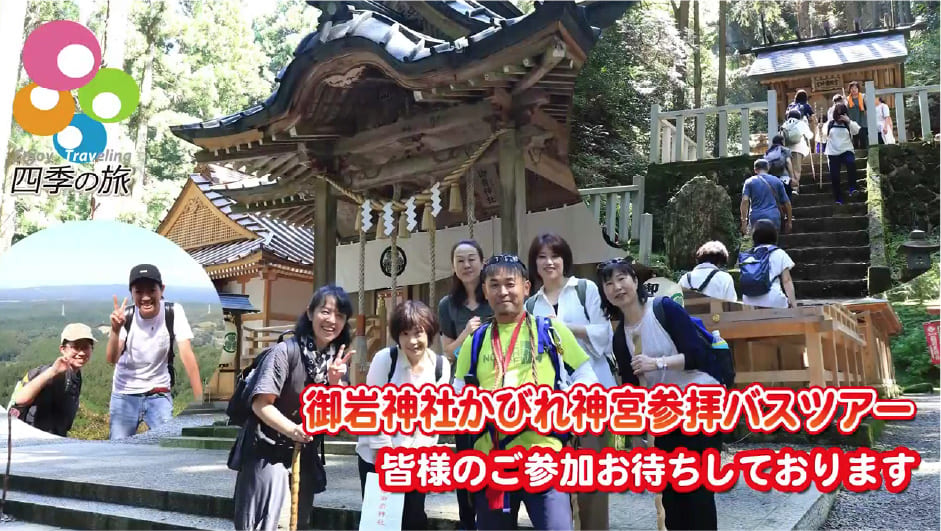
x=781 y=294
x=707 y=278
x=884 y=119
x=672 y=355
x=800 y=149
x=577 y=303
x=840 y=132
x=412 y=325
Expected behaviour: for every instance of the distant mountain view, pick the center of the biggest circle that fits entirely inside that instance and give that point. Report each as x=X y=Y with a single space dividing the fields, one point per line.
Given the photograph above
x=206 y=295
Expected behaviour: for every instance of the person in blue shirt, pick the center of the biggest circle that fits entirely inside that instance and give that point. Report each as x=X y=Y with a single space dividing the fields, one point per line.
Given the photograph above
x=763 y=195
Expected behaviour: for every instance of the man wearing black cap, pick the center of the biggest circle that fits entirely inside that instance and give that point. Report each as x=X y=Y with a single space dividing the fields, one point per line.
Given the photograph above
x=47 y=397
x=141 y=348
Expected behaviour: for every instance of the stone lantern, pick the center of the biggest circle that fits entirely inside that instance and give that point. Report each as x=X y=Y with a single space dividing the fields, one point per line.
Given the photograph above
x=917 y=253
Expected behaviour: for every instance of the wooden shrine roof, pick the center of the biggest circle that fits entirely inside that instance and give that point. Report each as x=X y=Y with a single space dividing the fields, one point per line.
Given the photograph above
x=825 y=53
x=262 y=238
x=375 y=104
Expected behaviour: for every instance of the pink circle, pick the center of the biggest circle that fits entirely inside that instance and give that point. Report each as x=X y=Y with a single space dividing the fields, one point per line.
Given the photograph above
x=41 y=52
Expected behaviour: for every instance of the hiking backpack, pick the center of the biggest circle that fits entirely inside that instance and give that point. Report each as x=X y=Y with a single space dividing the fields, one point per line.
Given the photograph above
x=755 y=266
x=239 y=408
x=689 y=280
x=791 y=131
x=168 y=321
x=394 y=356
x=547 y=341
x=581 y=289
x=719 y=361
x=776 y=161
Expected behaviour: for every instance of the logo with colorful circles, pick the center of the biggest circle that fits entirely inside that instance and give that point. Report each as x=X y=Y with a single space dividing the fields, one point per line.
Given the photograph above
x=61 y=56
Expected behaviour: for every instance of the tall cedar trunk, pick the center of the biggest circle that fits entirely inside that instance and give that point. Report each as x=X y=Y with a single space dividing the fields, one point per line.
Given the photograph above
x=113 y=51
x=697 y=59
x=140 y=144
x=803 y=19
x=721 y=88
x=905 y=12
x=850 y=14
x=12 y=19
x=681 y=13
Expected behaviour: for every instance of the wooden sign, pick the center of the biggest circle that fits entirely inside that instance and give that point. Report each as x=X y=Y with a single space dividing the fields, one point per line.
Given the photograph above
x=931 y=334
x=827 y=83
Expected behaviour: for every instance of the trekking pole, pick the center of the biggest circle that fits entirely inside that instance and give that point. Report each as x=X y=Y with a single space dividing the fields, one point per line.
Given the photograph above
x=295 y=483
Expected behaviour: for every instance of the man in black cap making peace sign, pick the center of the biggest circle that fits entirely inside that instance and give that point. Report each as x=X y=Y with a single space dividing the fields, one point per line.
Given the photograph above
x=141 y=348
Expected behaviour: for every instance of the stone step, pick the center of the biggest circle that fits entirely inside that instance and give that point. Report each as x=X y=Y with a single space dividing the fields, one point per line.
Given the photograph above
x=69 y=513
x=831 y=210
x=831 y=289
x=831 y=271
x=810 y=186
x=331 y=447
x=823 y=255
x=823 y=239
x=825 y=198
x=803 y=225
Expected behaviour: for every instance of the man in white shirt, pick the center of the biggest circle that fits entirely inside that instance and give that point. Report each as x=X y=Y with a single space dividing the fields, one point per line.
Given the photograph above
x=140 y=347
x=707 y=278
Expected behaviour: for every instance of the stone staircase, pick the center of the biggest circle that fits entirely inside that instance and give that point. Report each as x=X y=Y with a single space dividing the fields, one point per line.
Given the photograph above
x=829 y=243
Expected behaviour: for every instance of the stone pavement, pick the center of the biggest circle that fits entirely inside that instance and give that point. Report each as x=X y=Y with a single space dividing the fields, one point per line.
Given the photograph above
x=203 y=472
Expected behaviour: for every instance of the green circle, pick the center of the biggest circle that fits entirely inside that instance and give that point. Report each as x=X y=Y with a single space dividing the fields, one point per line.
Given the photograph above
x=116 y=82
x=229 y=344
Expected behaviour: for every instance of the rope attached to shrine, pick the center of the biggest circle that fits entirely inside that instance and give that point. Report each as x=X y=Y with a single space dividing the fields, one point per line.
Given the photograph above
x=471 y=215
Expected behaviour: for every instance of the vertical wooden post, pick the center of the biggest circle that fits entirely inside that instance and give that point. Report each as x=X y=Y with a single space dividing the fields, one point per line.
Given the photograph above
x=814 y=355
x=611 y=214
x=872 y=121
x=723 y=134
x=678 y=137
x=513 y=193
x=646 y=237
x=746 y=140
x=655 y=133
x=637 y=206
x=900 y=135
x=325 y=234
x=923 y=112
x=772 y=114
x=831 y=360
x=624 y=221
x=596 y=208
x=700 y=136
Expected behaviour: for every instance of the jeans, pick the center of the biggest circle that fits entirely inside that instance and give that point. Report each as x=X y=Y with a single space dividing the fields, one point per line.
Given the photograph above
x=549 y=509
x=836 y=161
x=127 y=412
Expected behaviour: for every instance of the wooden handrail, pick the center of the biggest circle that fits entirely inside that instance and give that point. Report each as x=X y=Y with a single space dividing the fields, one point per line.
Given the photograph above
x=901 y=133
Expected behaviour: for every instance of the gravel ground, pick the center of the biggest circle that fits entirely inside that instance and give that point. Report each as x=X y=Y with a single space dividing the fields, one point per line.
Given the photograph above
x=917 y=506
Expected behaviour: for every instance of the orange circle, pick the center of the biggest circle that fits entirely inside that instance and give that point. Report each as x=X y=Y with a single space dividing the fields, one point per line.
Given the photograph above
x=39 y=122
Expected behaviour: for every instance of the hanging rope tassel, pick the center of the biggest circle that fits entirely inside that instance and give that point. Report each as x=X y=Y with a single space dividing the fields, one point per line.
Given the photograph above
x=471 y=205
x=433 y=299
x=361 y=343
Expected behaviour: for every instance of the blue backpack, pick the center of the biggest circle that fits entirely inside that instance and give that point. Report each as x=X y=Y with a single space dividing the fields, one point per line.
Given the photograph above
x=719 y=362
x=546 y=342
x=755 y=267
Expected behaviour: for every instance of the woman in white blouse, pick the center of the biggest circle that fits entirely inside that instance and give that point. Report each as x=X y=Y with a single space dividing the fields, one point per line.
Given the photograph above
x=412 y=325
x=577 y=303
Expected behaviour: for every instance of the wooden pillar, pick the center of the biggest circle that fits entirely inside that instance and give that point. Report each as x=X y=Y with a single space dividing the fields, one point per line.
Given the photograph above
x=831 y=359
x=325 y=234
x=237 y=319
x=815 y=365
x=512 y=194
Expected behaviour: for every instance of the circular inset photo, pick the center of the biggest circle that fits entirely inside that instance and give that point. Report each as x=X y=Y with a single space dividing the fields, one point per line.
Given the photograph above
x=106 y=330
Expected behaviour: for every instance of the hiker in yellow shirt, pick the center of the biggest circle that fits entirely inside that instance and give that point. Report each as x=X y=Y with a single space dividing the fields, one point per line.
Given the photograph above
x=525 y=350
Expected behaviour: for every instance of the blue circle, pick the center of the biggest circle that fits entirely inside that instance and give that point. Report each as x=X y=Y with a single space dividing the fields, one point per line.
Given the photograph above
x=94 y=140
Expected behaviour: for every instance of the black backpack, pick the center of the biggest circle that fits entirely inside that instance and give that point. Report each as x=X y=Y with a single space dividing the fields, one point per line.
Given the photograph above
x=394 y=355
x=239 y=408
x=168 y=321
x=720 y=363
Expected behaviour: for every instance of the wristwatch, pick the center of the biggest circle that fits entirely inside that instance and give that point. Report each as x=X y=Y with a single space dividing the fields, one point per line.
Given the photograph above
x=661 y=364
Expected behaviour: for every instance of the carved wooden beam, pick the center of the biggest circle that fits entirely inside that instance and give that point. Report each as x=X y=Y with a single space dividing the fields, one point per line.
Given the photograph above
x=551 y=57
x=555 y=170
x=416 y=167
x=427 y=124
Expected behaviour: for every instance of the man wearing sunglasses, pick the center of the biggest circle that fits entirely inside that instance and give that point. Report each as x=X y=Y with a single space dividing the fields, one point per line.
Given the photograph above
x=47 y=397
x=519 y=353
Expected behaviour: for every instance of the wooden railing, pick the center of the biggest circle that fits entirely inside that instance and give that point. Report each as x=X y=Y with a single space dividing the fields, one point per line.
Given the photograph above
x=258 y=339
x=666 y=146
x=620 y=210
x=901 y=135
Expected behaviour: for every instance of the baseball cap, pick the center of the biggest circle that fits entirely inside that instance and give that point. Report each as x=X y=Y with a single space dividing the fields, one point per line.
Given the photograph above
x=76 y=331
x=145 y=271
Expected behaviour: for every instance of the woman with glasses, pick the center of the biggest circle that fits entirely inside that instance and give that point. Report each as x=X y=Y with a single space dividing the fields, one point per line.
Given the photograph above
x=577 y=303
x=460 y=313
x=650 y=352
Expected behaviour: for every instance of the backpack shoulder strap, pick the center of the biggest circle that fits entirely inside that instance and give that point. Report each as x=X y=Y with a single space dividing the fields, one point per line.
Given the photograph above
x=168 y=321
x=477 y=341
x=439 y=367
x=128 y=318
x=582 y=290
x=531 y=304
x=708 y=280
x=394 y=358
x=546 y=342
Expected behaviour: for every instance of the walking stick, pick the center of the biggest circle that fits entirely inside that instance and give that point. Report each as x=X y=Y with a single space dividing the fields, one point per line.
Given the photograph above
x=295 y=483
